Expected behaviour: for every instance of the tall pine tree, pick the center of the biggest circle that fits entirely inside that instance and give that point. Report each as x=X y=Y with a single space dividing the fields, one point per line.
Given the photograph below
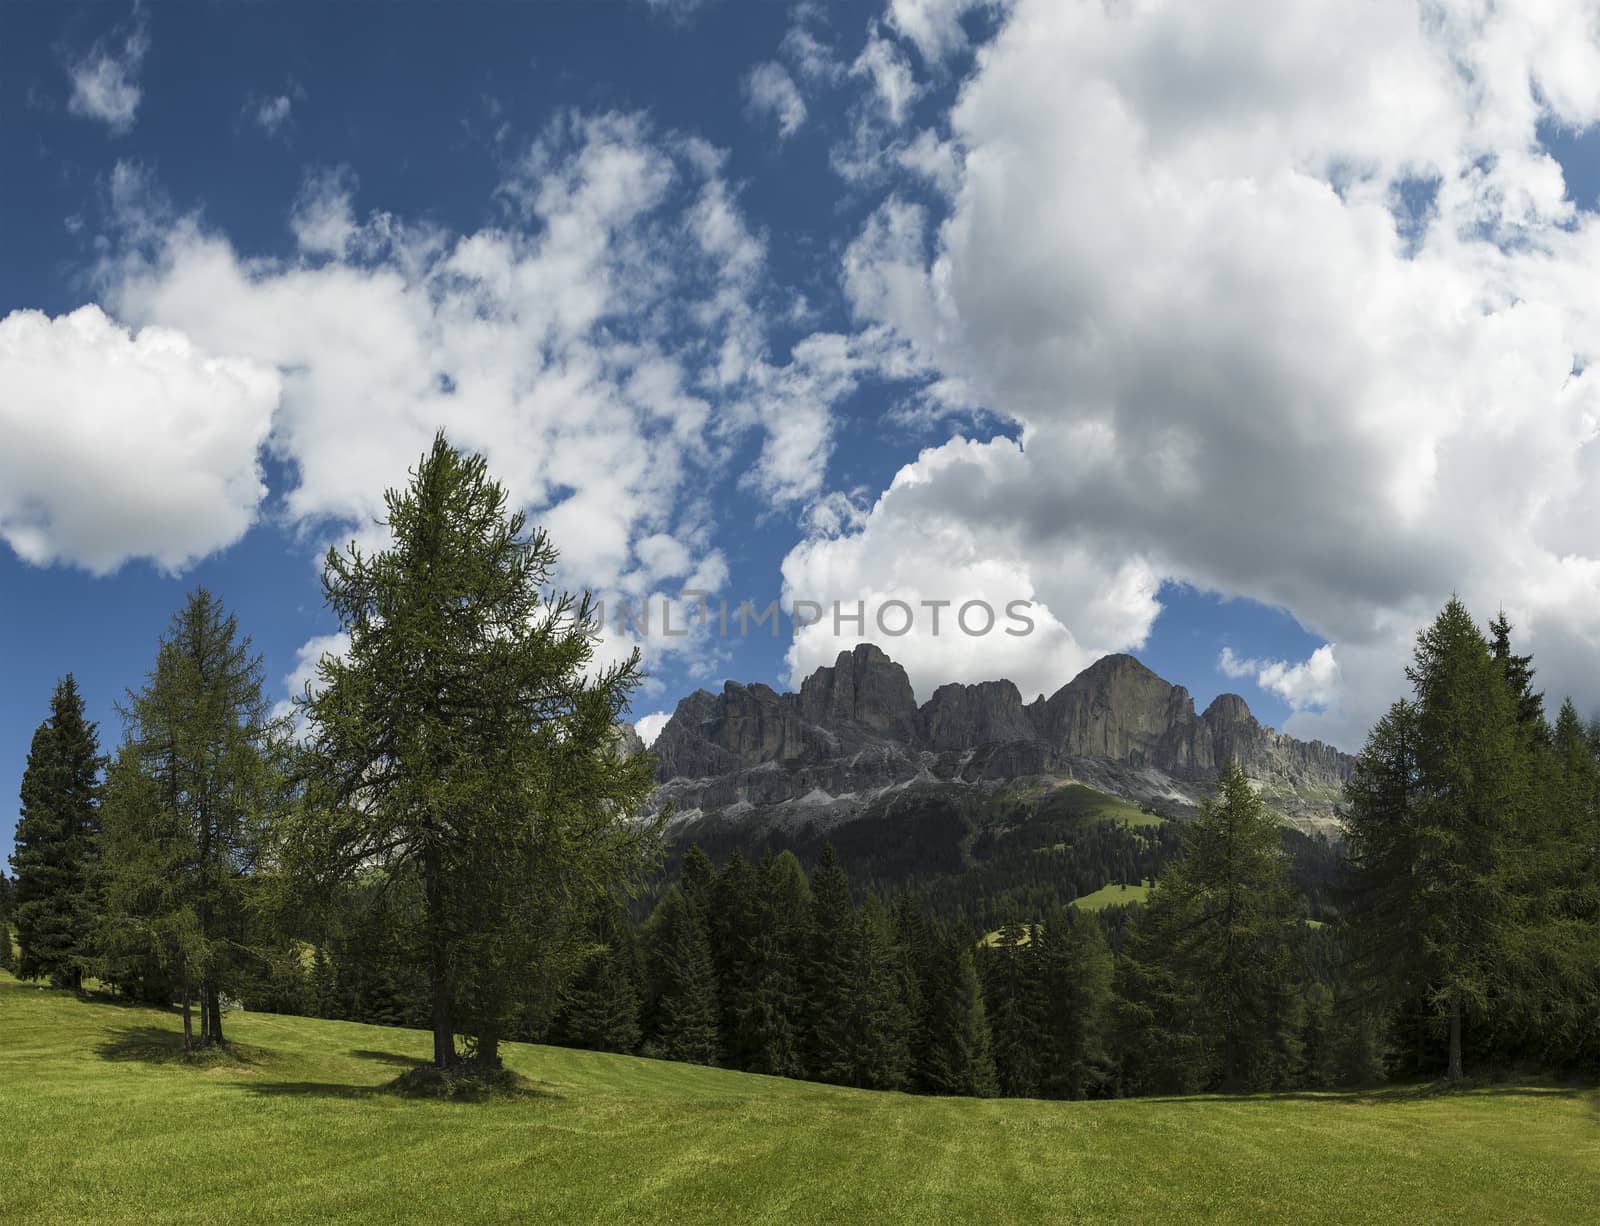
x=1210 y=961
x=1436 y=803
x=56 y=846
x=200 y=778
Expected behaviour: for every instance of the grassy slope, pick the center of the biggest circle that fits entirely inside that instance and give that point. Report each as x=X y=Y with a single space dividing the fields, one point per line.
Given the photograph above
x=1112 y=896
x=101 y=1124
x=1081 y=800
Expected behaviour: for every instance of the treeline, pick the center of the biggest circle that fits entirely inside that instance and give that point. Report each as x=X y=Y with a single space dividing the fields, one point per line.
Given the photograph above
x=458 y=763
x=450 y=838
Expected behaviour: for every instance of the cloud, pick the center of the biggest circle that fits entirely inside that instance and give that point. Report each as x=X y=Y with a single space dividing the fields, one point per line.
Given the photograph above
x=1312 y=683
x=932 y=26
x=122 y=445
x=772 y=91
x=882 y=63
x=323 y=218
x=1288 y=304
x=649 y=726
x=604 y=344
x=105 y=82
x=271 y=114
x=304 y=673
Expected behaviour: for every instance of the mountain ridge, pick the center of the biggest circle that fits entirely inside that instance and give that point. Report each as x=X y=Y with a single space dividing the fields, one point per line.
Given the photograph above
x=855 y=731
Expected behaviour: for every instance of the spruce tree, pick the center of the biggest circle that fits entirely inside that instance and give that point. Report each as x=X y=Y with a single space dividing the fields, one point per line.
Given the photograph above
x=684 y=1015
x=1014 y=1001
x=955 y=1056
x=832 y=968
x=1552 y=962
x=1518 y=672
x=57 y=845
x=775 y=1011
x=601 y=1007
x=1075 y=970
x=1436 y=803
x=735 y=917
x=1211 y=959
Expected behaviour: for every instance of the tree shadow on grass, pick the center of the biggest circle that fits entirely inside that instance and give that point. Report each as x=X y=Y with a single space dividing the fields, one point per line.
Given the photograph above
x=389 y=1057
x=157 y=1045
x=395 y=1090
x=419 y=1080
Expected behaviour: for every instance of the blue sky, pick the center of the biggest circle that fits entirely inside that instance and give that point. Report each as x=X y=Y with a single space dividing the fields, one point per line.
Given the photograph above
x=701 y=280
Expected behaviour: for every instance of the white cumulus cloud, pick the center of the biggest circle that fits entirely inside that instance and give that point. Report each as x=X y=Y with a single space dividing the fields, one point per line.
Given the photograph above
x=1286 y=302
x=1311 y=683
x=649 y=726
x=121 y=445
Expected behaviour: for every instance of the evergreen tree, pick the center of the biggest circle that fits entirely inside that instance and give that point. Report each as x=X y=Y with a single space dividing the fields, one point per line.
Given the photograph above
x=56 y=845
x=698 y=880
x=955 y=1056
x=189 y=831
x=601 y=1007
x=464 y=739
x=1014 y=1002
x=735 y=917
x=683 y=983
x=1075 y=969
x=1211 y=956
x=1436 y=802
x=1518 y=672
x=775 y=1013
x=831 y=973
x=1552 y=963
x=8 y=957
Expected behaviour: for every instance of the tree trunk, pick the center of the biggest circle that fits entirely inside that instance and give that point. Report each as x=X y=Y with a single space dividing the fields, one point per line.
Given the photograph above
x=488 y=1054
x=1455 y=1073
x=188 y=1026
x=444 y=1043
x=214 y=1006
x=205 y=1016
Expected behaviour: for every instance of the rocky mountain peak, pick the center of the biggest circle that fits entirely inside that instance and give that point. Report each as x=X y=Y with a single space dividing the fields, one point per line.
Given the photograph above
x=1228 y=709
x=855 y=729
x=864 y=687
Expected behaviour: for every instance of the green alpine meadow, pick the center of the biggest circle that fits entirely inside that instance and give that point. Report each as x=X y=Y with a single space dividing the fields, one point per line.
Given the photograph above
x=301 y=1122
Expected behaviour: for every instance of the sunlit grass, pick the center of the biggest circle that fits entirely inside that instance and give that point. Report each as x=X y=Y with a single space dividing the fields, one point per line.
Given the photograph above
x=1112 y=896
x=104 y=1121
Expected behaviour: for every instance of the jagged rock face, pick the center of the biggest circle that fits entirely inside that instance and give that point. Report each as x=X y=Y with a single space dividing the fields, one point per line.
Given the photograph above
x=854 y=730
x=863 y=687
x=966 y=716
x=1116 y=708
x=628 y=740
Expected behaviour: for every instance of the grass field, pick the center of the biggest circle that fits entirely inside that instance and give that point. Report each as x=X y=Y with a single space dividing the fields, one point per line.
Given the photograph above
x=1081 y=800
x=1112 y=896
x=102 y=1121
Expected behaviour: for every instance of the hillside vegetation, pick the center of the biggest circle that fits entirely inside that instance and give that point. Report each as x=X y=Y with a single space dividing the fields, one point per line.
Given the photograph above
x=106 y=1122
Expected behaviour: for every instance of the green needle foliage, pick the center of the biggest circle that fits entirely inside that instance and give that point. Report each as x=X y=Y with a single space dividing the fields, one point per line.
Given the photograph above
x=1437 y=801
x=1209 y=975
x=56 y=846
x=465 y=744
x=191 y=798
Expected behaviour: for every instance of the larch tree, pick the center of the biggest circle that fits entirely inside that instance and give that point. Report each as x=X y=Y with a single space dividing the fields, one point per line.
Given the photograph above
x=198 y=782
x=467 y=740
x=57 y=844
